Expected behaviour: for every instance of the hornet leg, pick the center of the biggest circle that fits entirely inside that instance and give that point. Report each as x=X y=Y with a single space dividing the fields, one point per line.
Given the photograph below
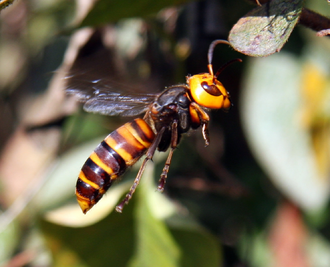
x=149 y=155
x=174 y=143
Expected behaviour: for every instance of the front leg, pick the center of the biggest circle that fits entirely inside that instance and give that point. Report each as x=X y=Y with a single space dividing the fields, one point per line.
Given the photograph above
x=205 y=133
x=199 y=117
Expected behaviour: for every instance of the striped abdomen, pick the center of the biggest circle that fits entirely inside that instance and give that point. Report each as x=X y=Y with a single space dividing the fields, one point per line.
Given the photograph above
x=119 y=150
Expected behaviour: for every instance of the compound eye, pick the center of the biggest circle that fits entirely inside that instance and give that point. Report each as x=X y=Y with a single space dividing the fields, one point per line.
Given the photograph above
x=211 y=89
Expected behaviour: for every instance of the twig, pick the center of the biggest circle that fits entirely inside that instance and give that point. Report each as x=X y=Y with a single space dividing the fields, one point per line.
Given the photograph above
x=314 y=21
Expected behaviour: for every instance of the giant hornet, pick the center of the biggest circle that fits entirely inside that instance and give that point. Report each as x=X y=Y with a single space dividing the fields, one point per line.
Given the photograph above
x=168 y=115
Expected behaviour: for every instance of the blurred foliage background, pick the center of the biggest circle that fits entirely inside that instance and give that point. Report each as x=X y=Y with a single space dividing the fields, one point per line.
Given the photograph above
x=257 y=196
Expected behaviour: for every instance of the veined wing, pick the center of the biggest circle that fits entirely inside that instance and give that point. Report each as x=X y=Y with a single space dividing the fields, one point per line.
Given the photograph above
x=104 y=96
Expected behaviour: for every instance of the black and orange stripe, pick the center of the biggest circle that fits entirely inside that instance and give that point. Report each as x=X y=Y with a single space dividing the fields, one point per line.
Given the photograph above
x=119 y=150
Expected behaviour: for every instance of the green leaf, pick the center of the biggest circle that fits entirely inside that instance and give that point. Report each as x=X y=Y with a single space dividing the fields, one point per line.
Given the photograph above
x=155 y=244
x=110 y=242
x=265 y=29
x=198 y=248
x=178 y=244
x=272 y=109
x=106 y=11
x=140 y=236
x=9 y=238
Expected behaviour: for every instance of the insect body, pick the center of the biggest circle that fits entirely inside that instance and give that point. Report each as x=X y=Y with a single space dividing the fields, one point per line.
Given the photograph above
x=168 y=115
x=119 y=150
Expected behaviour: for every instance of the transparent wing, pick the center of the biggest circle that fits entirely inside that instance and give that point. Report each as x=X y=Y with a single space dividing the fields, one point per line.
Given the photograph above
x=104 y=96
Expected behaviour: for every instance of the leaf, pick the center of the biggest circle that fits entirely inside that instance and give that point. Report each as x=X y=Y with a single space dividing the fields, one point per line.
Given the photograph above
x=109 y=242
x=319 y=249
x=155 y=245
x=106 y=11
x=9 y=238
x=60 y=184
x=265 y=29
x=71 y=215
x=271 y=108
x=198 y=248
x=140 y=236
x=160 y=244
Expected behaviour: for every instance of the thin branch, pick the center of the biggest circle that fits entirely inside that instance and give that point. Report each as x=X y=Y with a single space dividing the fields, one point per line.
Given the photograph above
x=315 y=21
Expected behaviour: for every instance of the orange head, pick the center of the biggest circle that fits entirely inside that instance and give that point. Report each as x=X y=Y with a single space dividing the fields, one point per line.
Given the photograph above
x=208 y=92
x=205 y=89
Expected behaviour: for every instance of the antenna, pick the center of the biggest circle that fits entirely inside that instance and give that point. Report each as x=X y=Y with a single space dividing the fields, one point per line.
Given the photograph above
x=210 y=56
